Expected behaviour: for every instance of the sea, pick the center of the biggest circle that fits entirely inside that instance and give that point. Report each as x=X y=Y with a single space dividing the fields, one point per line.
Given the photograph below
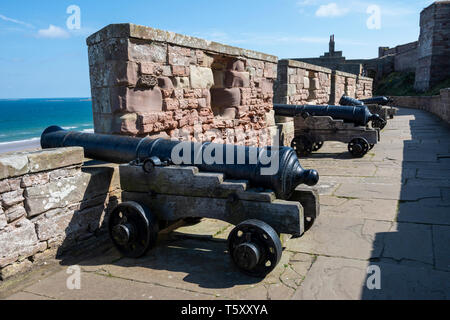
x=23 y=120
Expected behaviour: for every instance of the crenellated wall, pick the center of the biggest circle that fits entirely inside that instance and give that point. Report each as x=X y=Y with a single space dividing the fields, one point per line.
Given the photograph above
x=146 y=81
x=49 y=204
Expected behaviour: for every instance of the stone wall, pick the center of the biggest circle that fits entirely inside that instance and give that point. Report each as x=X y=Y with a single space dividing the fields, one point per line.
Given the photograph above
x=433 y=64
x=302 y=83
x=49 y=204
x=342 y=83
x=439 y=105
x=151 y=82
x=364 y=87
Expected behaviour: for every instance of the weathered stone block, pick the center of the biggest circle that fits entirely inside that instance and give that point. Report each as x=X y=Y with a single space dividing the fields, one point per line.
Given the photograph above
x=201 y=77
x=223 y=97
x=55 y=158
x=13 y=165
x=181 y=83
x=235 y=79
x=15 y=212
x=11 y=198
x=19 y=240
x=57 y=194
x=15 y=269
x=306 y=83
x=147 y=52
x=136 y=100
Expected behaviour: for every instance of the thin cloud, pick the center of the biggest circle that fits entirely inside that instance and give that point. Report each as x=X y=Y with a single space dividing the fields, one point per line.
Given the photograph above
x=53 y=32
x=331 y=10
x=5 y=18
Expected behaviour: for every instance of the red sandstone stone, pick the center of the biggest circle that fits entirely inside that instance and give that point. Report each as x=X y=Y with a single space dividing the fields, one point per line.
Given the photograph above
x=236 y=79
x=222 y=97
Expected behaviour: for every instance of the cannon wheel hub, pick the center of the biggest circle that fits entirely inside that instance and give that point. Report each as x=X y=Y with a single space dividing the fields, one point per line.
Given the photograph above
x=358 y=147
x=255 y=248
x=133 y=229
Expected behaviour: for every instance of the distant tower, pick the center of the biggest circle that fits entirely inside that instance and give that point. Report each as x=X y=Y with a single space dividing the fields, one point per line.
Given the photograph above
x=332 y=45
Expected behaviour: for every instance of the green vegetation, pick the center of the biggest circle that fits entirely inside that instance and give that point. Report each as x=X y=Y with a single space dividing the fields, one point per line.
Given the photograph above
x=402 y=84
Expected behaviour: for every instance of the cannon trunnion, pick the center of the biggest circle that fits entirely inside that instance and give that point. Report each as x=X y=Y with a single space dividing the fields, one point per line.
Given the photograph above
x=156 y=193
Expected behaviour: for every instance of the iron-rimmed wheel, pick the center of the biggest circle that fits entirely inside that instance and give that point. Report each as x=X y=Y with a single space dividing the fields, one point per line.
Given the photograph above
x=255 y=248
x=317 y=146
x=371 y=146
x=358 y=147
x=133 y=229
x=302 y=145
x=378 y=124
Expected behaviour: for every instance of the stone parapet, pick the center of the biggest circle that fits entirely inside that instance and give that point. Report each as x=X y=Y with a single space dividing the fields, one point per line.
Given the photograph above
x=48 y=204
x=148 y=82
x=303 y=83
x=438 y=105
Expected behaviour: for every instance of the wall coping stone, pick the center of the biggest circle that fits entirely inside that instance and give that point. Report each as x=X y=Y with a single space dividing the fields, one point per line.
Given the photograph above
x=21 y=163
x=344 y=74
x=129 y=30
x=303 y=65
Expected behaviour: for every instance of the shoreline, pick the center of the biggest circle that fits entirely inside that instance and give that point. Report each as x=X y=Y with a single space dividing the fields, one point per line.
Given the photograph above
x=17 y=146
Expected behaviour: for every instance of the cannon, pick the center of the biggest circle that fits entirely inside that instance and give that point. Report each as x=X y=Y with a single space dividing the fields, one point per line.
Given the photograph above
x=378 y=105
x=164 y=182
x=359 y=116
x=316 y=124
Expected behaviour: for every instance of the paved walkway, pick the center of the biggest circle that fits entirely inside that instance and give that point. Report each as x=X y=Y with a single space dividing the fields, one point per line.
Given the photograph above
x=390 y=210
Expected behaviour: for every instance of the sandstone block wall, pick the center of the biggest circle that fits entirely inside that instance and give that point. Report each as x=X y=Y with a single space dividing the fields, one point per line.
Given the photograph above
x=342 y=83
x=438 y=105
x=151 y=82
x=302 y=83
x=364 y=87
x=48 y=204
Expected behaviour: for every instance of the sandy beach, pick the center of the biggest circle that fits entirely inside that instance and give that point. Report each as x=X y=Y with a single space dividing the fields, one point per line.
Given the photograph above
x=16 y=146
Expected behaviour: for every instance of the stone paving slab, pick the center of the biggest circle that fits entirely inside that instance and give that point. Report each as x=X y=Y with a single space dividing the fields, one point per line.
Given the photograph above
x=332 y=278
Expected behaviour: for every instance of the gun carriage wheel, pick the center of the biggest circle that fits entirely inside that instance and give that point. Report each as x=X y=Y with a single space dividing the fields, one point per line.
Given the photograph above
x=303 y=145
x=255 y=248
x=317 y=146
x=378 y=124
x=358 y=147
x=371 y=146
x=133 y=229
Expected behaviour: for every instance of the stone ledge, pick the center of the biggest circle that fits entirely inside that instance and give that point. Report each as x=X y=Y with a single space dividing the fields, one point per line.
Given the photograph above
x=303 y=65
x=346 y=74
x=130 y=30
x=18 y=164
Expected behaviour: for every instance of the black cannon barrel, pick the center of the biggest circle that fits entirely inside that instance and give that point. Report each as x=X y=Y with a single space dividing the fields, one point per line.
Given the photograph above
x=382 y=101
x=347 y=101
x=272 y=168
x=357 y=115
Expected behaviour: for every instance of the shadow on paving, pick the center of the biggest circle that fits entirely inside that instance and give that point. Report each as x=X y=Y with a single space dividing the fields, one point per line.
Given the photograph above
x=415 y=258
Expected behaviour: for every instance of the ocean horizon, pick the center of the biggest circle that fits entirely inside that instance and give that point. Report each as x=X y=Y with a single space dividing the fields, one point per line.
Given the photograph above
x=23 y=120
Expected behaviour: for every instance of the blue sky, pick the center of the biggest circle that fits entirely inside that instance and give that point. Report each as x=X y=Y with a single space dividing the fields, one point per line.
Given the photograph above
x=41 y=58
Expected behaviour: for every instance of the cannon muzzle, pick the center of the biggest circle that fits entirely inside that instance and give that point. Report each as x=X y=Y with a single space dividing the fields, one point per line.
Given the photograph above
x=360 y=116
x=275 y=168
